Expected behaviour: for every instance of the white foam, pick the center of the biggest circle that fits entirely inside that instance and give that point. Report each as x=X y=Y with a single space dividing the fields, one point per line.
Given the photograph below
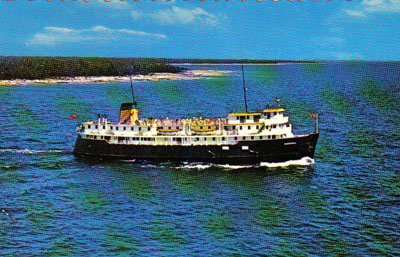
x=28 y=151
x=235 y=167
x=305 y=161
x=194 y=166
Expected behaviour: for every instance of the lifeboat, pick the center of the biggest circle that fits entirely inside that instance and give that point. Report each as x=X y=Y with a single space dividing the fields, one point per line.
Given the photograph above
x=204 y=128
x=168 y=130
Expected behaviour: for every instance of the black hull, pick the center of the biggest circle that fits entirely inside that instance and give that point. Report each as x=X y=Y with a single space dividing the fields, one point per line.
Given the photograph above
x=277 y=150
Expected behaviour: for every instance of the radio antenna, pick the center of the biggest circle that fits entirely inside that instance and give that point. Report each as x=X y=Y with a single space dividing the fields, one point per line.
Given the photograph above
x=133 y=95
x=244 y=90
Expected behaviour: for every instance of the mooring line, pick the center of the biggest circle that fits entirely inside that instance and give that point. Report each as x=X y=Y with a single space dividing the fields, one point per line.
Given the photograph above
x=6 y=213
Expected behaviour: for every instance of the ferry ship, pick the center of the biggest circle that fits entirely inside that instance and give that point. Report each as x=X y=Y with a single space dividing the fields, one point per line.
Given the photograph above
x=238 y=138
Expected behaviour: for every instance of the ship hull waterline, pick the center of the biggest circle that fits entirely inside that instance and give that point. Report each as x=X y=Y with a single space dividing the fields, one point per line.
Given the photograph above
x=243 y=152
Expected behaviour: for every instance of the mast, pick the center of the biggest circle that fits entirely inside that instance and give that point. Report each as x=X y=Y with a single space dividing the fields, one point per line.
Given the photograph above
x=244 y=90
x=133 y=95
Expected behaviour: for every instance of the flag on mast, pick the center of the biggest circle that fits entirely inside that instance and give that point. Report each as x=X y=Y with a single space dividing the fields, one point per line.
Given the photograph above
x=313 y=115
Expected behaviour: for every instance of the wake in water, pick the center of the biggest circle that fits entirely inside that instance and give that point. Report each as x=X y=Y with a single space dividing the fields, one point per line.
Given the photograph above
x=305 y=161
x=29 y=151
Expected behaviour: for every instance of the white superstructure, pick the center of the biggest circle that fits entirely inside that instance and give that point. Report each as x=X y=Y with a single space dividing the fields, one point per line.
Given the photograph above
x=269 y=124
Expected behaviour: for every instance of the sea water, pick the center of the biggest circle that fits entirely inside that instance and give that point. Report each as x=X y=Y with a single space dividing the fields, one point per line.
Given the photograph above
x=345 y=201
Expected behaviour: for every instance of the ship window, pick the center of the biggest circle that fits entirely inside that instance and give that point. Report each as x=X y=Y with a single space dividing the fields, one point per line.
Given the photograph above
x=111 y=127
x=107 y=138
x=244 y=138
x=248 y=117
x=88 y=126
x=273 y=136
x=287 y=125
x=205 y=139
x=235 y=138
x=116 y=128
x=237 y=117
x=176 y=127
x=268 y=116
x=223 y=138
x=273 y=126
x=96 y=126
x=131 y=128
x=274 y=113
x=104 y=127
x=261 y=137
x=257 y=127
x=140 y=128
x=248 y=127
x=252 y=137
x=124 y=128
x=213 y=138
x=256 y=118
x=240 y=127
x=148 y=129
x=201 y=127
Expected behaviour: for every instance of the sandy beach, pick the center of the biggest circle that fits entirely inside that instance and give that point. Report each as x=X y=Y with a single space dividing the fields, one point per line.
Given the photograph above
x=186 y=75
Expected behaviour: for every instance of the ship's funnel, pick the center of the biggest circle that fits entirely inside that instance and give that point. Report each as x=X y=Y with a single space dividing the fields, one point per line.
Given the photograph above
x=128 y=113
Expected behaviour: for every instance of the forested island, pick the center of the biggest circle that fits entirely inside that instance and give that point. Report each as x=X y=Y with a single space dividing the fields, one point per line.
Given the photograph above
x=83 y=70
x=56 y=67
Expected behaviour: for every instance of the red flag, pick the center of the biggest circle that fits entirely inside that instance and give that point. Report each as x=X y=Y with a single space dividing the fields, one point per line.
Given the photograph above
x=314 y=115
x=73 y=117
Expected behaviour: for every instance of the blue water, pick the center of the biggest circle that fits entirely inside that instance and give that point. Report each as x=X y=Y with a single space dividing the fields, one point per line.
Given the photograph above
x=347 y=203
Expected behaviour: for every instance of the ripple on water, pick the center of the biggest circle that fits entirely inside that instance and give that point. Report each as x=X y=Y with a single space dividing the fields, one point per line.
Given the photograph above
x=344 y=203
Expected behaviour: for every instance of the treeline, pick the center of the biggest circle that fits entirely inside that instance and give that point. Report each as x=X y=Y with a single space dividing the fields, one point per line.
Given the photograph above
x=56 y=67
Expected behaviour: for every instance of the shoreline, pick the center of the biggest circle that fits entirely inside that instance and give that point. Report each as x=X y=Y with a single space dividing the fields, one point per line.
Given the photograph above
x=186 y=75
